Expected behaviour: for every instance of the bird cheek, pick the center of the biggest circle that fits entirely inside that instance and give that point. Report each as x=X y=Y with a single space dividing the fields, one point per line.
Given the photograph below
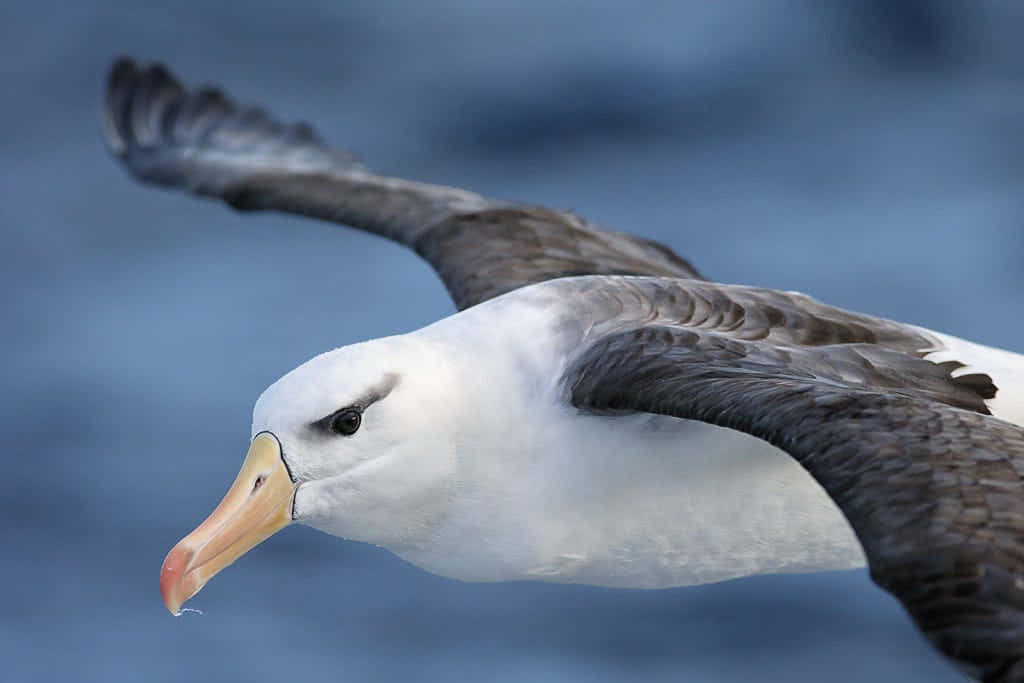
x=321 y=504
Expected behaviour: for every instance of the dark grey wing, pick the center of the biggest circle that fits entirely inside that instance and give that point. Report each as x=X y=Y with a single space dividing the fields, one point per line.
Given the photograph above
x=201 y=141
x=933 y=492
x=783 y=329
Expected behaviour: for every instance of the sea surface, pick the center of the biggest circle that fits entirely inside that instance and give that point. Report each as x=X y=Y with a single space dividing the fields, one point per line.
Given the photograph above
x=868 y=153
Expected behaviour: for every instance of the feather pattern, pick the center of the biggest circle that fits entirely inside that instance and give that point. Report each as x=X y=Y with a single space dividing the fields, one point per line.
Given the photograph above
x=201 y=141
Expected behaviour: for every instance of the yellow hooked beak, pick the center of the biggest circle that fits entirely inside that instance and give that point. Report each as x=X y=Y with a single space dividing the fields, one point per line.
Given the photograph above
x=257 y=505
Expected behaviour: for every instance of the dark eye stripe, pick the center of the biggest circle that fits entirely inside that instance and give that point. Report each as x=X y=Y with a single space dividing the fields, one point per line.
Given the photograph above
x=371 y=396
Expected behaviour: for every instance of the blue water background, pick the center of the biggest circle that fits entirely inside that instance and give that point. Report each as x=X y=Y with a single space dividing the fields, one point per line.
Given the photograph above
x=868 y=153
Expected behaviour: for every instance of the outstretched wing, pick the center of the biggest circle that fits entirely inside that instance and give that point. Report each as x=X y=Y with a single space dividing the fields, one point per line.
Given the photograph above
x=932 y=490
x=201 y=141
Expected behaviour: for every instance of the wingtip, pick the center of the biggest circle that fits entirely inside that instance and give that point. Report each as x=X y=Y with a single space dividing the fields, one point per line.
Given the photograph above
x=134 y=100
x=121 y=69
x=121 y=78
x=167 y=134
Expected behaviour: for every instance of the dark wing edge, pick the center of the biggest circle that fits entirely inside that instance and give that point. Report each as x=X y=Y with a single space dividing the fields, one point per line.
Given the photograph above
x=932 y=491
x=202 y=141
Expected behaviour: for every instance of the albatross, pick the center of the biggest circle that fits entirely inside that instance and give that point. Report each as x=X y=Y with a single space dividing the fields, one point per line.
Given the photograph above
x=599 y=412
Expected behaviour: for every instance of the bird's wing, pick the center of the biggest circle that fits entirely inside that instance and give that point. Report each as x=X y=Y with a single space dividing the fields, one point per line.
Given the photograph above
x=931 y=485
x=200 y=140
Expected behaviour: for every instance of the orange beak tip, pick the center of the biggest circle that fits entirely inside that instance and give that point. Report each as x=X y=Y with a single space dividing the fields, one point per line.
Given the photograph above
x=171 y=578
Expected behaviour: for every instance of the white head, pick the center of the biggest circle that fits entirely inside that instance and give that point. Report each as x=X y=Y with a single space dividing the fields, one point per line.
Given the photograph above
x=358 y=442
x=367 y=432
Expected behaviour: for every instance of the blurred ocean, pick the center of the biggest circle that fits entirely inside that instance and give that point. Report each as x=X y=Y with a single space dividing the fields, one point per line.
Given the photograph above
x=866 y=152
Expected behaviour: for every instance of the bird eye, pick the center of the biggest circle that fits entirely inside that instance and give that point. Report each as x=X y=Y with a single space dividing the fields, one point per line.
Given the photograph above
x=346 y=422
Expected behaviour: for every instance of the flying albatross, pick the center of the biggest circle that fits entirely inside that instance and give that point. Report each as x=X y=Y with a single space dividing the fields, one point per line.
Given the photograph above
x=597 y=411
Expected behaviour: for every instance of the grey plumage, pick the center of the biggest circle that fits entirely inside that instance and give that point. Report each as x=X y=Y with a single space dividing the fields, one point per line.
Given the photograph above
x=929 y=481
x=203 y=142
x=754 y=334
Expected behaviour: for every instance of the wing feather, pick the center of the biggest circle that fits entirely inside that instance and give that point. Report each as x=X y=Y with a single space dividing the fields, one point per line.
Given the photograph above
x=201 y=141
x=931 y=485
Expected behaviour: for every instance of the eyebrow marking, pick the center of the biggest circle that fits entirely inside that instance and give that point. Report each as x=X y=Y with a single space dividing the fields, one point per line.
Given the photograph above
x=368 y=398
x=379 y=391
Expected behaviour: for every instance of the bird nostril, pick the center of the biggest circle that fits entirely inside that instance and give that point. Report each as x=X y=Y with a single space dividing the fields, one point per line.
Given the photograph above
x=257 y=484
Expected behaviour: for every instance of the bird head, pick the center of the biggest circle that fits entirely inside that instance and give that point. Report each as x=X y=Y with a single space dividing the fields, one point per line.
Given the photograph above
x=357 y=442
